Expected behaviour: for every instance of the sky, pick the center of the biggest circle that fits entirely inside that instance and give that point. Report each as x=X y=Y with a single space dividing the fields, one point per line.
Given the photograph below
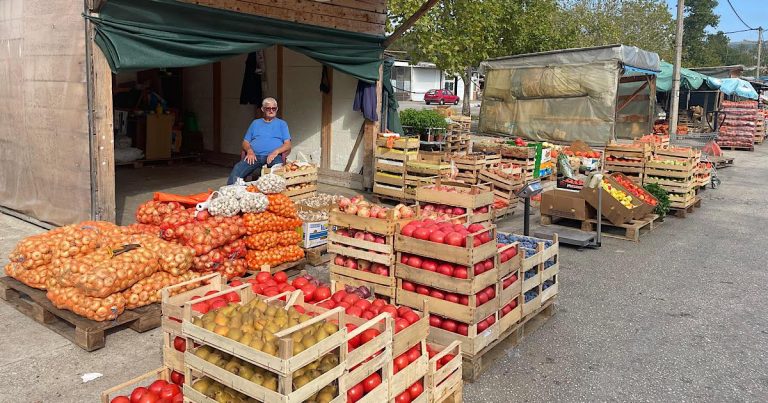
x=754 y=13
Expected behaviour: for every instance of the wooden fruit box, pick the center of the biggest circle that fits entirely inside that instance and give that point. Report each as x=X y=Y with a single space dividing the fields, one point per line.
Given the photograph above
x=512 y=317
x=633 y=163
x=483 y=198
x=500 y=182
x=551 y=291
x=400 y=143
x=380 y=364
x=364 y=276
x=387 y=179
x=670 y=171
x=388 y=191
x=379 y=345
x=339 y=281
x=549 y=272
x=532 y=305
x=533 y=281
x=609 y=167
x=463 y=255
x=285 y=363
x=625 y=150
x=362 y=249
x=442 y=383
x=309 y=174
x=512 y=291
x=468 y=286
x=381 y=226
x=396 y=154
x=472 y=343
x=677 y=152
x=173 y=305
x=524 y=152
x=513 y=265
x=406 y=377
x=383 y=165
x=469 y=314
x=300 y=191
x=686 y=184
x=145 y=380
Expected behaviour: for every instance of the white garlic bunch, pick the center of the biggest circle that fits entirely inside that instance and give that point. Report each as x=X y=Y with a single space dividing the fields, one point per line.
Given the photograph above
x=253 y=202
x=234 y=191
x=223 y=206
x=271 y=184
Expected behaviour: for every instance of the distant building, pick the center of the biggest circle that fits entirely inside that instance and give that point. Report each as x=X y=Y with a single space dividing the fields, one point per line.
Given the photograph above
x=412 y=81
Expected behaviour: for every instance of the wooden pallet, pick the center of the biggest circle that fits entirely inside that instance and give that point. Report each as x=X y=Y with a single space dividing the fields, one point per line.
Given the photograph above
x=722 y=161
x=684 y=211
x=632 y=230
x=738 y=148
x=318 y=255
x=551 y=220
x=87 y=334
x=474 y=366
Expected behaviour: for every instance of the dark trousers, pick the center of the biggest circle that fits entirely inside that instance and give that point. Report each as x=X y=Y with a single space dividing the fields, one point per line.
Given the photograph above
x=243 y=168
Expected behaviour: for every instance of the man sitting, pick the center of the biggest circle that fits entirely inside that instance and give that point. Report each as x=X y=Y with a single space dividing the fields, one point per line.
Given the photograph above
x=264 y=143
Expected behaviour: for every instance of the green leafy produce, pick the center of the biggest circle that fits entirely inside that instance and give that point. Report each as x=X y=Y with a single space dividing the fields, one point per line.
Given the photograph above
x=421 y=120
x=661 y=195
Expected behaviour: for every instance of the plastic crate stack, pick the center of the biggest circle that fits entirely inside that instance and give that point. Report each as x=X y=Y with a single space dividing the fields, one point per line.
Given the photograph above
x=739 y=127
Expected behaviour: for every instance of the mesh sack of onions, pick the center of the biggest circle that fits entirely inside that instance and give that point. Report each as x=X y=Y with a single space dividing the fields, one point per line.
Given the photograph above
x=147 y=290
x=98 y=309
x=204 y=236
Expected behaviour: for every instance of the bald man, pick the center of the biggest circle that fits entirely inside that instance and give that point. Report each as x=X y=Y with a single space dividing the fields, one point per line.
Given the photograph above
x=264 y=143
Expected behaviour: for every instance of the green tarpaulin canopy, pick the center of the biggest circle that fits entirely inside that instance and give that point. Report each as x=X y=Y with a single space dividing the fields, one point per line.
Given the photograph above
x=688 y=78
x=393 y=116
x=143 y=34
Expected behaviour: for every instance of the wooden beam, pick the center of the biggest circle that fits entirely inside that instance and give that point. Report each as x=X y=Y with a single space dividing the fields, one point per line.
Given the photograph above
x=359 y=140
x=326 y=122
x=371 y=131
x=101 y=132
x=632 y=79
x=280 y=73
x=631 y=97
x=399 y=31
x=217 y=106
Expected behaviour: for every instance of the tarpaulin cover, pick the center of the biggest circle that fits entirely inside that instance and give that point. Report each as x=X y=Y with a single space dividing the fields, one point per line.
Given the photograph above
x=689 y=79
x=558 y=96
x=737 y=86
x=393 y=116
x=143 y=34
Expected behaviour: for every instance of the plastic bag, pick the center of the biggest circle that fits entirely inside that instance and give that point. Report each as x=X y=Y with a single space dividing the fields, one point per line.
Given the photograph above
x=147 y=290
x=98 y=309
x=220 y=205
x=564 y=166
x=253 y=202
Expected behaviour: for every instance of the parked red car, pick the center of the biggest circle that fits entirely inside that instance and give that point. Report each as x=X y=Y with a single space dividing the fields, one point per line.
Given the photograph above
x=441 y=97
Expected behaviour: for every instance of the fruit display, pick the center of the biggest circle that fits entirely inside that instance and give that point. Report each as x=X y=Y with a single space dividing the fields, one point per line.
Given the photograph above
x=359 y=206
x=739 y=127
x=460 y=328
x=446 y=232
x=356 y=306
x=158 y=391
x=445 y=268
x=618 y=194
x=635 y=190
x=211 y=389
x=482 y=297
x=361 y=265
x=270 y=184
x=363 y=388
x=269 y=285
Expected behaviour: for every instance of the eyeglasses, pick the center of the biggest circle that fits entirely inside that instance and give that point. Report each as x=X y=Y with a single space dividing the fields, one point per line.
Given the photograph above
x=270 y=108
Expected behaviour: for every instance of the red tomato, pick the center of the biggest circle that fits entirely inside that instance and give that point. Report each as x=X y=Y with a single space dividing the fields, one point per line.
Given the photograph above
x=404 y=397
x=416 y=389
x=299 y=282
x=391 y=310
x=354 y=311
x=414 y=353
x=351 y=299
x=157 y=386
x=481 y=326
x=217 y=303
x=169 y=391
x=322 y=293
x=447 y=358
x=415 y=261
x=449 y=325
x=120 y=399
x=180 y=344
x=445 y=269
x=257 y=288
x=453 y=239
x=421 y=233
x=401 y=324
x=437 y=294
x=177 y=378
x=462 y=329
x=403 y=310
x=232 y=297
x=355 y=393
x=308 y=291
x=235 y=283
x=460 y=272
x=435 y=321
x=408 y=230
x=280 y=277
x=371 y=382
x=408 y=286
x=149 y=397
x=368 y=315
x=138 y=393
x=423 y=290
x=411 y=317
x=451 y=297
x=437 y=237
x=401 y=361
x=202 y=307
x=353 y=342
x=178 y=398
x=429 y=265
x=464 y=299
x=362 y=304
x=263 y=276
x=339 y=296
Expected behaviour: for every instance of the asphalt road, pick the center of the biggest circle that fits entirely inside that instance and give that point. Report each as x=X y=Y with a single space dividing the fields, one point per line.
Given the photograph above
x=679 y=316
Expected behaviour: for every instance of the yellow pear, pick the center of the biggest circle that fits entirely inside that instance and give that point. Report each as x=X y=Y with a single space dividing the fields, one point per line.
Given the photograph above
x=270 y=383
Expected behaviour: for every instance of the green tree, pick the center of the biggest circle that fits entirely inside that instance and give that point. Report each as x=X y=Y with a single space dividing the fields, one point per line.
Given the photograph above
x=699 y=15
x=457 y=35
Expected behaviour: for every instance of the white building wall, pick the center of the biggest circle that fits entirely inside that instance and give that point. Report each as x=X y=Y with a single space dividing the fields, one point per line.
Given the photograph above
x=423 y=80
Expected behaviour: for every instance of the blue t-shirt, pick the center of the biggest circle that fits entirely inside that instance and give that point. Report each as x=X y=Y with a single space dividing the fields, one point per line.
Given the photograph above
x=266 y=137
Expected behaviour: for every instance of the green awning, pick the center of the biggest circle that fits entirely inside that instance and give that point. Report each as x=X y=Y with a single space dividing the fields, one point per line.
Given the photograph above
x=393 y=116
x=143 y=34
x=688 y=78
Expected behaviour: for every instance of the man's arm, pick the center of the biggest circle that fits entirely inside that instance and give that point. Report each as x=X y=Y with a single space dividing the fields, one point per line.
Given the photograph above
x=279 y=150
x=250 y=156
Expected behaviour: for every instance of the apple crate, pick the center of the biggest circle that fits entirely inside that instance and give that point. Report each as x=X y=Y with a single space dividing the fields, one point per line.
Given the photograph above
x=657 y=168
x=552 y=285
x=305 y=174
x=482 y=195
x=173 y=299
x=473 y=342
x=512 y=291
x=677 y=152
x=445 y=382
x=467 y=286
x=162 y=373
x=512 y=317
x=414 y=372
x=463 y=255
x=381 y=226
x=467 y=314
x=371 y=251
x=283 y=365
x=512 y=265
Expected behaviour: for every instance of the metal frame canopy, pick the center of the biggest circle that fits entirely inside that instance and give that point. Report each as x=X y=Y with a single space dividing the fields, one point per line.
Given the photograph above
x=572 y=94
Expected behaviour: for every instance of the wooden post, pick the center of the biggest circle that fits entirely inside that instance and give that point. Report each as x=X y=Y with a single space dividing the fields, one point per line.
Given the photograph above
x=280 y=100
x=217 y=107
x=371 y=131
x=327 y=122
x=101 y=132
x=652 y=103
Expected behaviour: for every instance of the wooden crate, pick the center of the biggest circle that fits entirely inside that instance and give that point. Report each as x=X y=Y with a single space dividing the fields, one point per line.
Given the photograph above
x=512 y=291
x=512 y=265
x=551 y=290
x=385 y=191
x=288 y=267
x=401 y=143
x=471 y=285
x=144 y=380
x=512 y=317
x=384 y=165
x=283 y=365
x=465 y=256
x=469 y=314
x=381 y=226
x=371 y=280
x=87 y=334
x=339 y=281
x=445 y=384
x=361 y=249
x=517 y=152
x=318 y=255
x=415 y=371
x=472 y=343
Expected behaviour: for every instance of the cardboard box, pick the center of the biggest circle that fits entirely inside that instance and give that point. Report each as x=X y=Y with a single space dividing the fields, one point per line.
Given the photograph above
x=566 y=204
x=314 y=234
x=612 y=210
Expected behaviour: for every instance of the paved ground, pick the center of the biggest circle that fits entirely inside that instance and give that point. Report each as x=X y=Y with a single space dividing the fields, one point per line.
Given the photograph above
x=677 y=317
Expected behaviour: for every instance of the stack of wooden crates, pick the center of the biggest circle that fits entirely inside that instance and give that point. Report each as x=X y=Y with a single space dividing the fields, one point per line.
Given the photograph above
x=391 y=158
